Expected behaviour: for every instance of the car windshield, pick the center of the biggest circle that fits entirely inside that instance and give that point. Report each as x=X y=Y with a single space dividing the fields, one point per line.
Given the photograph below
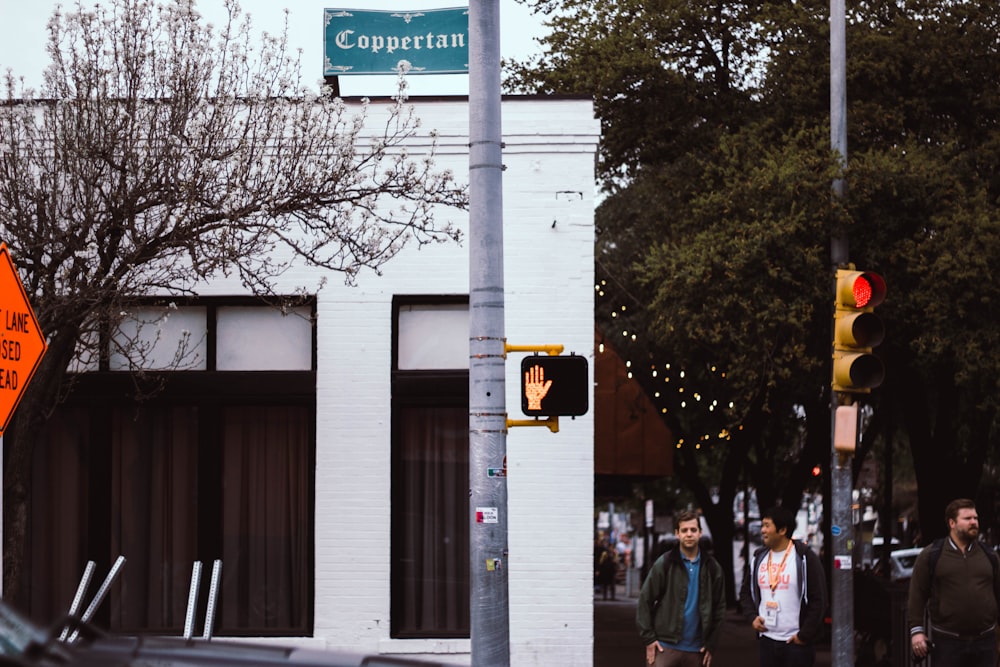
x=17 y=634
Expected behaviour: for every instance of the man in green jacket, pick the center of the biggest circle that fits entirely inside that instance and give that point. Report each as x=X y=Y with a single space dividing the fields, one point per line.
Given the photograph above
x=682 y=602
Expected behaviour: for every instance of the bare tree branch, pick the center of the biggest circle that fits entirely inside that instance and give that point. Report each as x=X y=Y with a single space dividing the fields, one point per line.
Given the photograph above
x=161 y=153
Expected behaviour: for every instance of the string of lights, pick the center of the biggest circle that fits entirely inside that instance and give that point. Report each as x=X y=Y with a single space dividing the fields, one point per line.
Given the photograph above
x=671 y=387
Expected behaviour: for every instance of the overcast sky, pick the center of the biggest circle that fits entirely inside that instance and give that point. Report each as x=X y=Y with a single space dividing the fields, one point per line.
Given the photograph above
x=22 y=37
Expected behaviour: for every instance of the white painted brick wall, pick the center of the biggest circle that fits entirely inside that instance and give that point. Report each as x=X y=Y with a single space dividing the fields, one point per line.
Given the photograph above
x=548 y=252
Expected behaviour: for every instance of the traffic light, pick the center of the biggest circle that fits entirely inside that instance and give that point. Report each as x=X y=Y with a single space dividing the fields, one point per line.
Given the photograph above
x=554 y=386
x=856 y=330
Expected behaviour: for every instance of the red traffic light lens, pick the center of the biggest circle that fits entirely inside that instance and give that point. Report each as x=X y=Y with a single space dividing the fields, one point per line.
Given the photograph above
x=868 y=289
x=862 y=291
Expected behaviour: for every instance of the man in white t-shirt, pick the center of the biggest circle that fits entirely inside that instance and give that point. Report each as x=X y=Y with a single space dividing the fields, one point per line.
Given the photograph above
x=784 y=594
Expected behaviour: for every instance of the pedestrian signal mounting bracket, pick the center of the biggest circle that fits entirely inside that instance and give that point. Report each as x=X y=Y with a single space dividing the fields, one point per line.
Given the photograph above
x=551 y=422
x=552 y=350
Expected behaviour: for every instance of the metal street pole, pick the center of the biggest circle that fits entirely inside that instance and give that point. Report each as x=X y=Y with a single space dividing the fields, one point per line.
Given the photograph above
x=489 y=603
x=841 y=524
x=842 y=576
x=838 y=103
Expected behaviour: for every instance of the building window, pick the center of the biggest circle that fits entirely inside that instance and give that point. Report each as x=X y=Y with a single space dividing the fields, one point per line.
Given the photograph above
x=212 y=464
x=430 y=468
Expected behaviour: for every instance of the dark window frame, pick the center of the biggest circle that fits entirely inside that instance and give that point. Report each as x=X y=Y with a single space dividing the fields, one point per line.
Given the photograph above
x=103 y=391
x=417 y=388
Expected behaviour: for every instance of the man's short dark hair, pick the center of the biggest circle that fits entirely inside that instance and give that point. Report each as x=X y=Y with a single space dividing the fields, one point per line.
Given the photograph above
x=686 y=515
x=951 y=511
x=781 y=518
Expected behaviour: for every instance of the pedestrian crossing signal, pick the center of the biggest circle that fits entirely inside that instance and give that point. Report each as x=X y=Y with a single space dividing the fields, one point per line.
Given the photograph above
x=555 y=386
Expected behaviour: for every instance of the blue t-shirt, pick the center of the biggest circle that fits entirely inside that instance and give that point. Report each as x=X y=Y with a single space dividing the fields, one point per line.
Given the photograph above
x=691 y=639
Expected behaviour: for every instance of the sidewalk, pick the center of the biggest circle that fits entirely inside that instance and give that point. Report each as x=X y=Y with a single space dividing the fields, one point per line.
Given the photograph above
x=617 y=644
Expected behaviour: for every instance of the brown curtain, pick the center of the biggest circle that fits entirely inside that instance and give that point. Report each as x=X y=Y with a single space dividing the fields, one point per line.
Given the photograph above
x=431 y=523
x=154 y=515
x=59 y=515
x=253 y=510
x=265 y=516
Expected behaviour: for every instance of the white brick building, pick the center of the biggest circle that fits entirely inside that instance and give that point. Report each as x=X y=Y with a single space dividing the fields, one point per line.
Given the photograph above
x=346 y=539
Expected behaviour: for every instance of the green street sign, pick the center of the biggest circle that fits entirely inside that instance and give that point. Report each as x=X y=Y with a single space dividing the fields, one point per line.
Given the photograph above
x=361 y=41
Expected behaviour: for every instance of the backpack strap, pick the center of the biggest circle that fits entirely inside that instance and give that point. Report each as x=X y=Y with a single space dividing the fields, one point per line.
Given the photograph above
x=994 y=559
x=938 y=545
x=934 y=555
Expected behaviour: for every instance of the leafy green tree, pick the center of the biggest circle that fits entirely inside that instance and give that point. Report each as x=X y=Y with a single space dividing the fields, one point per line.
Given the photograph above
x=671 y=122
x=715 y=231
x=160 y=153
x=677 y=67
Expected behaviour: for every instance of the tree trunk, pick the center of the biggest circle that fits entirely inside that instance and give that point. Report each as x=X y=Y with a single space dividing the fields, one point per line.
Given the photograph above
x=946 y=467
x=40 y=396
x=19 y=446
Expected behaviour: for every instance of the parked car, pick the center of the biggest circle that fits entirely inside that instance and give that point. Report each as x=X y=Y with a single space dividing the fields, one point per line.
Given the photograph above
x=872 y=551
x=878 y=541
x=901 y=563
x=24 y=643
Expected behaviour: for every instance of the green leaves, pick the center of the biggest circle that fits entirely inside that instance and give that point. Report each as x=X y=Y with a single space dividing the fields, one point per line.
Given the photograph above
x=741 y=281
x=717 y=225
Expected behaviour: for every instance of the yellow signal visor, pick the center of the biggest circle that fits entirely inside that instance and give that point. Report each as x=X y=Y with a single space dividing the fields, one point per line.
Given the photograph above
x=859 y=289
x=857 y=371
x=858 y=330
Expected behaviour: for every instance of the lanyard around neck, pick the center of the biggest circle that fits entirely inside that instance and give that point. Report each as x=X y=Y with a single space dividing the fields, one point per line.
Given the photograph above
x=774 y=578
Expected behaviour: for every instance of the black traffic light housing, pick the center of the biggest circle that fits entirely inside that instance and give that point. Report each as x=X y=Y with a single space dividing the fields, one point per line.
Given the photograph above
x=554 y=386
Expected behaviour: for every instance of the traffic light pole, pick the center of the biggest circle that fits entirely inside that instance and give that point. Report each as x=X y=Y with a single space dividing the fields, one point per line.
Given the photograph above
x=841 y=491
x=489 y=601
x=842 y=538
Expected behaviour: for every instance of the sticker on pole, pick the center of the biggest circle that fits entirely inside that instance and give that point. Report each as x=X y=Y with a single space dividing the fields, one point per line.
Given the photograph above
x=22 y=343
x=487 y=515
x=498 y=472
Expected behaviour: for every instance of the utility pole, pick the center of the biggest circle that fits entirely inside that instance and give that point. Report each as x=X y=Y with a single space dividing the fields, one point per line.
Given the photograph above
x=489 y=602
x=842 y=523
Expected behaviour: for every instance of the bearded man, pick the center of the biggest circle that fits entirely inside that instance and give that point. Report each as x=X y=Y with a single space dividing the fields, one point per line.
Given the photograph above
x=955 y=582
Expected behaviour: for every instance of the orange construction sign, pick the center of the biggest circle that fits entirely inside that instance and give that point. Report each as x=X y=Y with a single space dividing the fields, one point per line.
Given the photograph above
x=22 y=343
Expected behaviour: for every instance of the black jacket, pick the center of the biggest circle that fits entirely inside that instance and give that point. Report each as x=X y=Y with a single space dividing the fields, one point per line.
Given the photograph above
x=812 y=591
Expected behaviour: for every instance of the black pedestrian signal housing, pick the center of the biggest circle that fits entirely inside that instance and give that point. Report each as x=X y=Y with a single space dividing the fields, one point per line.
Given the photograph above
x=555 y=386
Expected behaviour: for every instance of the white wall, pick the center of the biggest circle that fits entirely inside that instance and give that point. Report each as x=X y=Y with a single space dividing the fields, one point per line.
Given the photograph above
x=548 y=253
